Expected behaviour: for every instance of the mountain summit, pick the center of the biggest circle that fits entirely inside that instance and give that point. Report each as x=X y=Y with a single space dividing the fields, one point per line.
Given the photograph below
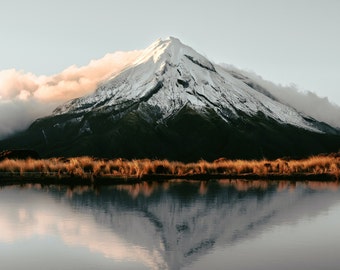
x=172 y=102
x=169 y=75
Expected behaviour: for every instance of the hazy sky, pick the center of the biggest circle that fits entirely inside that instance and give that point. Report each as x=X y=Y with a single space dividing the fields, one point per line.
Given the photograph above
x=285 y=41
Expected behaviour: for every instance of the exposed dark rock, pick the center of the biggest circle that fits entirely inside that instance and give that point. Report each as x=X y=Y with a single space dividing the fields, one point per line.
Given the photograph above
x=207 y=66
x=185 y=84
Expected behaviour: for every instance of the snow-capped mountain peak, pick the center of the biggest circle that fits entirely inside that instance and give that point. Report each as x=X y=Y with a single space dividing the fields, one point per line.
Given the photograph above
x=171 y=102
x=169 y=75
x=169 y=47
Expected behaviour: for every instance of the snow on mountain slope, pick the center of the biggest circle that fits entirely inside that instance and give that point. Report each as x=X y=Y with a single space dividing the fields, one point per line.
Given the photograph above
x=307 y=102
x=169 y=75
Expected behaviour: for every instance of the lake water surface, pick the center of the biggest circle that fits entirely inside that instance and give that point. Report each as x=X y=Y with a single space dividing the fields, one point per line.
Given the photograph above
x=174 y=225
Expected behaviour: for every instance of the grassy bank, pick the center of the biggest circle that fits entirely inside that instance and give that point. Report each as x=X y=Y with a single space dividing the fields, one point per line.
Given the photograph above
x=90 y=169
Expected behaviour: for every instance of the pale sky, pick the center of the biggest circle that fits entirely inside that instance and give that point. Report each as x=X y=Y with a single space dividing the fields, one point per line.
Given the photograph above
x=284 y=41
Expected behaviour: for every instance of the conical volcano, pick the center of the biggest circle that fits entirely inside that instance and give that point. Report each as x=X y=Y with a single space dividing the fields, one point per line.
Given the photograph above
x=172 y=102
x=169 y=75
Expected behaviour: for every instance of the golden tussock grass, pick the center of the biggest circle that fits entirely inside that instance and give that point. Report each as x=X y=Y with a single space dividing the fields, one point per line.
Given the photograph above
x=86 y=167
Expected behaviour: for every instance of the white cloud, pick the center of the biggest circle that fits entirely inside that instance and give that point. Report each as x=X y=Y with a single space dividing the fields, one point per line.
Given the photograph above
x=26 y=96
x=307 y=102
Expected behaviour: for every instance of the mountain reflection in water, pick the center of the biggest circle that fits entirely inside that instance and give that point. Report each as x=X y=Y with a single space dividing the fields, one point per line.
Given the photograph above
x=166 y=225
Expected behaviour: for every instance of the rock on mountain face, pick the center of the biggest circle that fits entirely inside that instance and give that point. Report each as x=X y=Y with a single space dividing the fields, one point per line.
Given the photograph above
x=171 y=102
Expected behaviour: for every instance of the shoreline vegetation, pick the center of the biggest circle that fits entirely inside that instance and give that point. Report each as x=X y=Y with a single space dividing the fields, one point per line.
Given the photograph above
x=88 y=170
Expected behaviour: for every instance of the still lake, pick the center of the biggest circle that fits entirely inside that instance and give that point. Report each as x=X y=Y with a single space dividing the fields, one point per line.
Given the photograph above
x=225 y=224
